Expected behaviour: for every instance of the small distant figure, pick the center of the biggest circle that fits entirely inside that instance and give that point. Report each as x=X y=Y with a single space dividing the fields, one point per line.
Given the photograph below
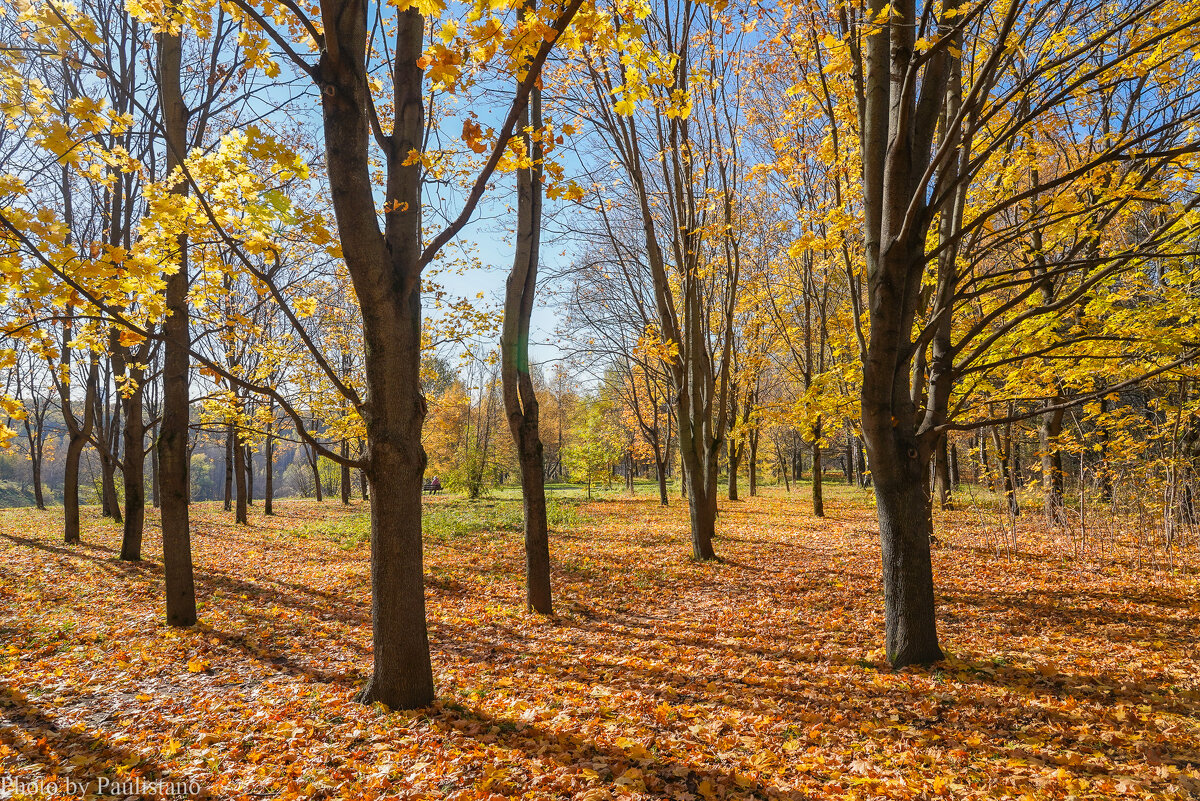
x=433 y=486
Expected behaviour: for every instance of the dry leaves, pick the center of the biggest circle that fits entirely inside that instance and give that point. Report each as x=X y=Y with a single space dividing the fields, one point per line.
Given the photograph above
x=661 y=678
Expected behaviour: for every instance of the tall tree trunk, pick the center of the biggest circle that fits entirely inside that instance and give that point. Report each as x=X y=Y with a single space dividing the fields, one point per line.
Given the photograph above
x=154 y=493
x=344 y=480
x=173 y=434
x=248 y=458
x=660 y=468
x=111 y=504
x=38 y=495
x=135 y=470
x=269 y=469
x=818 y=472
x=849 y=457
x=1106 y=484
x=314 y=462
x=735 y=453
x=241 y=510
x=385 y=267
x=520 y=400
x=1052 y=464
x=1006 y=486
x=941 y=465
x=753 y=463
x=230 y=447
x=76 y=441
x=954 y=477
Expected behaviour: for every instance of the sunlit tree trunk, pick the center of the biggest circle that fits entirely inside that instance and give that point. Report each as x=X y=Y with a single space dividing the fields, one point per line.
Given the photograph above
x=173 y=431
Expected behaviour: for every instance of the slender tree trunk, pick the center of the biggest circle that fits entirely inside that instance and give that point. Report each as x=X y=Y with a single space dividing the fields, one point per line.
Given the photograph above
x=154 y=494
x=660 y=468
x=942 y=473
x=784 y=469
x=38 y=494
x=753 y=463
x=848 y=468
x=818 y=472
x=248 y=456
x=344 y=478
x=108 y=487
x=173 y=434
x=314 y=461
x=78 y=434
x=954 y=477
x=1007 y=486
x=1106 y=484
x=735 y=453
x=241 y=513
x=1052 y=464
x=134 y=473
x=520 y=400
x=269 y=472
x=230 y=440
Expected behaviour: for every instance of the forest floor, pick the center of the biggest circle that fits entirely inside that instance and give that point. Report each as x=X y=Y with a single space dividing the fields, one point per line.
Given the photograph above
x=760 y=677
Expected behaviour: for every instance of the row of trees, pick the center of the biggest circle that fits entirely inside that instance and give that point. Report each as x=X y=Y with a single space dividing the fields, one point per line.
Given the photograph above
x=881 y=224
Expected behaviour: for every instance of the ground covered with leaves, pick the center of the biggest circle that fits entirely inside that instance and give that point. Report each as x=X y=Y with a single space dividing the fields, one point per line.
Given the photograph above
x=761 y=677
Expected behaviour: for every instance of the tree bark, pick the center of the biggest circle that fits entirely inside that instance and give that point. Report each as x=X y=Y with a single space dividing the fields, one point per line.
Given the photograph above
x=818 y=472
x=941 y=465
x=173 y=433
x=269 y=471
x=77 y=439
x=248 y=456
x=520 y=400
x=385 y=267
x=230 y=447
x=135 y=468
x=344 y=480
x=735 y=453
x=241 y=510
x=753 y=463
x=660 y=468
x=1052 y=464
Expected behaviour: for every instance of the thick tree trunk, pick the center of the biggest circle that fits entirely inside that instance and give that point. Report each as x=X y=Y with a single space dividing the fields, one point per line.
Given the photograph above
x=173 y=434
x=702 y=510
x=242 y=512
x=385 y=267
x=911 y=627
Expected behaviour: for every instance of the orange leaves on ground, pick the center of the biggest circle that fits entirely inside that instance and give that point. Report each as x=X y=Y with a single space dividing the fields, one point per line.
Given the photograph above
x=660 y=677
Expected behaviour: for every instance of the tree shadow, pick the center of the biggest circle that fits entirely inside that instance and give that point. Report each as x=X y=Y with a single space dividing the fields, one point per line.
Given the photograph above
x=55 y=752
